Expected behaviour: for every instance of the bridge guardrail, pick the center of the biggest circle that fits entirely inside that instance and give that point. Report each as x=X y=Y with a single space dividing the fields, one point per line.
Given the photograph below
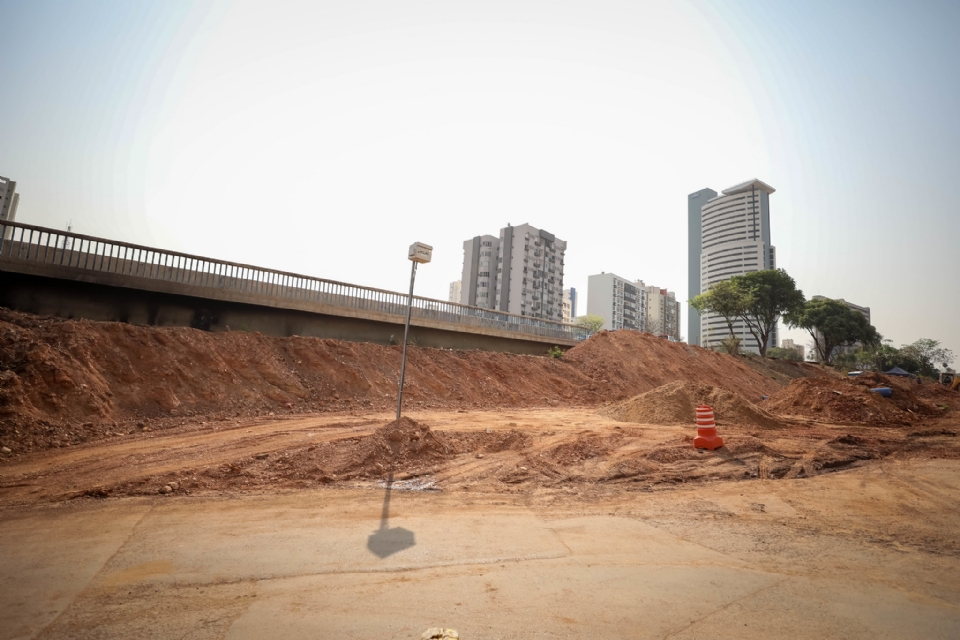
x=27 y=243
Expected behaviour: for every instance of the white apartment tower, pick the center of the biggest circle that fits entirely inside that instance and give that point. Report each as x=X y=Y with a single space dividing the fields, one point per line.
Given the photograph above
x=621 y=303
x=633 y=305
x=455 y=288
x=9 y=200
x=519 y=272
x=663 y=312
x=734 y=239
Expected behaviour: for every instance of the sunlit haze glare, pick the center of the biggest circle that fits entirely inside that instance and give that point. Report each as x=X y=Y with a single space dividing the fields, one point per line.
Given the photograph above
x=324 y=138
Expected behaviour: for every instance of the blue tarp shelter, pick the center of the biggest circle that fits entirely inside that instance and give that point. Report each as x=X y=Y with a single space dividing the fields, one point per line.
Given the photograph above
x=897 y=371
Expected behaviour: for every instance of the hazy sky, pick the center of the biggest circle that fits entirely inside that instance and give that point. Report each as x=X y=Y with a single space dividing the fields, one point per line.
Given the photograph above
x=324 y=138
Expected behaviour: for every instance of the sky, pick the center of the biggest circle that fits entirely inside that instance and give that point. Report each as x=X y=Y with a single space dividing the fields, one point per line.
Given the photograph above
x=325 y=137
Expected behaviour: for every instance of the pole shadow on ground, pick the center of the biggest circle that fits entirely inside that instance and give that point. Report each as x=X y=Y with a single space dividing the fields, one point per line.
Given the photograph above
x=386 y=541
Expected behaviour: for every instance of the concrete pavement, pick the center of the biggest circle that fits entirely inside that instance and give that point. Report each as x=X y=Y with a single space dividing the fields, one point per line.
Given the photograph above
x=301 y=565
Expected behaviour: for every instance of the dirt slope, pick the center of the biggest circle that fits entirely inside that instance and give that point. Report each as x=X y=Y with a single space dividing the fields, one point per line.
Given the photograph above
x=625 y=363
x=65 y=381
x=851 y=401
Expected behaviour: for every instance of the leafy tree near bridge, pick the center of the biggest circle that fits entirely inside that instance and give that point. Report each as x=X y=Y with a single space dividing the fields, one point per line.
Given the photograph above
x=769 y=294
x=833 y=324
x=727 y=300
x=591 y=322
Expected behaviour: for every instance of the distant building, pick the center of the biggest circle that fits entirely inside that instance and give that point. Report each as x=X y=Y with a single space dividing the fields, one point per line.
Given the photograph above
x=478 y=283
x=455 y=288
x=9 y=200
x=626 y=304
x=520 y=272
x=620 y=302
x=790 y=345
x=569 y=304
x=663 y=312
x=730 y=236
x=695 y=202
x=530 y=273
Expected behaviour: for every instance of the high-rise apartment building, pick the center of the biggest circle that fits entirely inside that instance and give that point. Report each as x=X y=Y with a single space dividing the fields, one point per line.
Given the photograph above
x=9 y=200
x=569 y=304
x=479 y=280
x=733 y=235
x=620 y=302
x=663 y=312
x=695 y=202
x=455 y=288
x=520 y=272
x=633 y=305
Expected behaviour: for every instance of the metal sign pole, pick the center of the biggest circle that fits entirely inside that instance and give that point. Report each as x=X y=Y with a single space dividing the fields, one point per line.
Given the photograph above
x=406 y=331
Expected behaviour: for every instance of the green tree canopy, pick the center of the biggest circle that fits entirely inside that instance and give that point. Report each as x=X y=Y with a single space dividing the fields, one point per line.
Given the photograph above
x=591 y=322
x=833 y=324
x=724 y=299
x=769 y=294
x=929 y=355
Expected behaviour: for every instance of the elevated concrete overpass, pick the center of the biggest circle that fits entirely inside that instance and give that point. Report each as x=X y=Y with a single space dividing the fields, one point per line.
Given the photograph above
x=65 y=274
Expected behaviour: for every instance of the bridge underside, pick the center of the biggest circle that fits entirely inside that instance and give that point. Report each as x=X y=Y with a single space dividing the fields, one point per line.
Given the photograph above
x=43 y=295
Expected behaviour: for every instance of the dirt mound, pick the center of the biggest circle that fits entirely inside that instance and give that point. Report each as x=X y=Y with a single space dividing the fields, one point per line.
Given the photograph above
x=676 y=403
x=622 y=364
x=398 y=445
x=849 y=401
x=938 y=394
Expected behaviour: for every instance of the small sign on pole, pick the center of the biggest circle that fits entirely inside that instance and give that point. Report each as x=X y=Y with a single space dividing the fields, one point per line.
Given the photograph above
x=419 y=253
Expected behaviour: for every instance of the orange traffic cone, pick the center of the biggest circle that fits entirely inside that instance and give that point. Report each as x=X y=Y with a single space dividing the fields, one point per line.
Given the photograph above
x=707 y=437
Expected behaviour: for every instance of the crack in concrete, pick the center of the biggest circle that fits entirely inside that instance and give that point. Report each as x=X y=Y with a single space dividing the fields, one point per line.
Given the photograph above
x=726 y=606
x=80 y=591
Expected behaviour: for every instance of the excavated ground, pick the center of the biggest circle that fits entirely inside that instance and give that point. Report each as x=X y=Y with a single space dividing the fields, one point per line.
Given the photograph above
x=176 y=483
x=538 y=452
x=91 y=410
x=64 y=382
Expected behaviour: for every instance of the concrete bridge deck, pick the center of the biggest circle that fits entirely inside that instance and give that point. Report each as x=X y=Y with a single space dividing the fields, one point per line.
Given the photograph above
x=65 y=274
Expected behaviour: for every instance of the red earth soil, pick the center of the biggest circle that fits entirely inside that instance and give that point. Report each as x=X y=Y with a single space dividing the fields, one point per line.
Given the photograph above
x=839 y=400
x=66 y=381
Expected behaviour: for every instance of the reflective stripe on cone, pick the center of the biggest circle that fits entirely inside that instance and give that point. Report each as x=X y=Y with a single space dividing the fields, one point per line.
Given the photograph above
x=707 y=437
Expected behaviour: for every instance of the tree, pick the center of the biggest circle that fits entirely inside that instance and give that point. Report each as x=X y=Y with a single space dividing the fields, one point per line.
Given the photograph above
x=591 y=322
x=655 y=327
x=928 y=354
x=769 y=294
x=724 y=299
x=880 y=356
x=833 y=324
